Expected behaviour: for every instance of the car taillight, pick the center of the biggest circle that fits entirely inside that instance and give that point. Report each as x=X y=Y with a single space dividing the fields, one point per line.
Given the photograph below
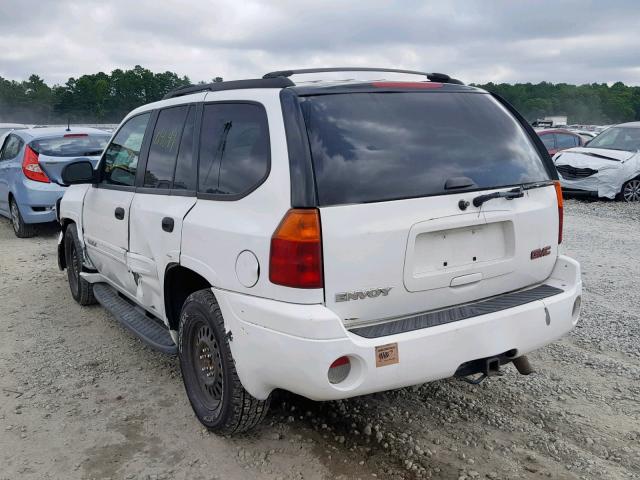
x=560 y=210
x=31 y=167
x=296 y=250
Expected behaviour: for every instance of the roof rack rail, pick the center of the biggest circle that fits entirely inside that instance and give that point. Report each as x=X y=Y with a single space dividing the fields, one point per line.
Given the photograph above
x=434 y=77
x=275 y=82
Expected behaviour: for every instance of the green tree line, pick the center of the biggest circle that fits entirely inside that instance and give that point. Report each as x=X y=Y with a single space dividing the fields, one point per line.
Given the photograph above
x=95 y=98
x=595 y=103
x=107 y=98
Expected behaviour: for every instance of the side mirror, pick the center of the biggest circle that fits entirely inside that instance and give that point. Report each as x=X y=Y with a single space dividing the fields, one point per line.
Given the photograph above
x=78 y=172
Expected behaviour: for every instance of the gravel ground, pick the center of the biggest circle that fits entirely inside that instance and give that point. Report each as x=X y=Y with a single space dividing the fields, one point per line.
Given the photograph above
x=81 y=398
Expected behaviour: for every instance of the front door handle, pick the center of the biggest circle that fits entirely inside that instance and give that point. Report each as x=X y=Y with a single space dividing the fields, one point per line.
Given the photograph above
x=167 y=224
x=119 y=213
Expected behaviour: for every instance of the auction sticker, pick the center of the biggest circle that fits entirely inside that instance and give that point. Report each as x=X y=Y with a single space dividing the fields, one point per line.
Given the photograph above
x=387 y=355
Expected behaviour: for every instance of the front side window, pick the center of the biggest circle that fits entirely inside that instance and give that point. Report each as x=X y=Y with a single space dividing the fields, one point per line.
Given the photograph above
x=164 y=147
x=370 y=147
x=121 y=156
x=234 y=148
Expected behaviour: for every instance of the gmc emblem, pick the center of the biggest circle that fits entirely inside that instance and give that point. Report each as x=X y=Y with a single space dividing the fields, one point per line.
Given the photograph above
x=540 y=252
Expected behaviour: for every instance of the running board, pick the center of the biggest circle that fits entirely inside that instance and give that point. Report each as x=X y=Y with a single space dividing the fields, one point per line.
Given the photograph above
x=457 y=313
x=133 y=318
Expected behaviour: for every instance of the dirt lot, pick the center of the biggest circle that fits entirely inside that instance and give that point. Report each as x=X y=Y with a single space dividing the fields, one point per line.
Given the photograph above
x=81 y=398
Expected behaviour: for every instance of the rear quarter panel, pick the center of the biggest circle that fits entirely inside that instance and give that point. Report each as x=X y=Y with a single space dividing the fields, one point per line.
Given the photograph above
x=215 y=232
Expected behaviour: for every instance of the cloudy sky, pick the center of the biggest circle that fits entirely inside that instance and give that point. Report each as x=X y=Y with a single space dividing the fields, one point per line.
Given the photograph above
x=477 y=41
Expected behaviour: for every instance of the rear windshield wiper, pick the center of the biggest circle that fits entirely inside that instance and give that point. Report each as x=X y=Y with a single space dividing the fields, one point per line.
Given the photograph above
x=509 y=195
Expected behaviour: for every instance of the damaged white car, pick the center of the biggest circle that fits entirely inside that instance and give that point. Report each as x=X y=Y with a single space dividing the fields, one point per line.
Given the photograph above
x=609 y=166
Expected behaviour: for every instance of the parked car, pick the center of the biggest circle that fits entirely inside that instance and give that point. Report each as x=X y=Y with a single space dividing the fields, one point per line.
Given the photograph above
x=9 y=127
x=608 y=167
x=332 y=239
x=556 y=140
x=30 y=163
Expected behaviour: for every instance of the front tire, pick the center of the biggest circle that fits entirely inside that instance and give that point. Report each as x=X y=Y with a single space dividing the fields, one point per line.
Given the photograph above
x=81 y=290
x=631 y=191
x=216 y=394
x=21 y=229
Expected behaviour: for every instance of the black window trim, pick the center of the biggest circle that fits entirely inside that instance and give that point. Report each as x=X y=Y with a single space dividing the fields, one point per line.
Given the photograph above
x=235 y=196
x=142 y=158
x=139 y=185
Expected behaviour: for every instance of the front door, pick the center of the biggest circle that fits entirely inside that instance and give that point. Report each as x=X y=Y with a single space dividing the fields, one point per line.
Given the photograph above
x=106 y=212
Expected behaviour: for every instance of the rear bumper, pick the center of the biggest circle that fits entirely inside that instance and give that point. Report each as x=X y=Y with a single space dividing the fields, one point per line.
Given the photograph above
x=288 y=346
x=37 y=200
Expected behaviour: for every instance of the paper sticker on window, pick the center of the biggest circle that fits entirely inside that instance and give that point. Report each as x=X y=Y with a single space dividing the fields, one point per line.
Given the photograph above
x=387 y=354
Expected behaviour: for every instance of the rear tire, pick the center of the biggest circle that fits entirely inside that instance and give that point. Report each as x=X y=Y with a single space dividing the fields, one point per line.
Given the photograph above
x=631 y=191
x=81 y=290
x=21 y=229
x=216 y=394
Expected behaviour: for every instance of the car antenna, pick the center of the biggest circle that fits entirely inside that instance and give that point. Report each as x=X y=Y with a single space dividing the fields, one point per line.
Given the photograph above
x=68 y=124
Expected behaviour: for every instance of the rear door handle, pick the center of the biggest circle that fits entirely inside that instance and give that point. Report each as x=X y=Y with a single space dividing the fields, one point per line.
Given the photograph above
x=119 y=213
x=167 y=224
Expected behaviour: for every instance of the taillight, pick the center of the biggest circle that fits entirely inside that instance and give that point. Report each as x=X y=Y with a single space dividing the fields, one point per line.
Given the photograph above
x=560 y=209
x=296 y=250
x=31 y=167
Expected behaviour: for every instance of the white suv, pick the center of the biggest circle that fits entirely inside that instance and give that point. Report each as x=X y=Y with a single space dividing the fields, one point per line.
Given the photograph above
x=330 y=238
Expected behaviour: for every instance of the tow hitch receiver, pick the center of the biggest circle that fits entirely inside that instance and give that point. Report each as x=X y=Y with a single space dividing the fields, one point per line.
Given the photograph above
x=487 y=367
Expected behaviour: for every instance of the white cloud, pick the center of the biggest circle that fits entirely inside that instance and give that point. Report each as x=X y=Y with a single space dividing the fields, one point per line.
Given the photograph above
x=574 y=42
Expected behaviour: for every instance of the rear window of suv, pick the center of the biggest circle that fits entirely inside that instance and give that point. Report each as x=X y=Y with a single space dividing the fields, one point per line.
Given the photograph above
x=369 y=147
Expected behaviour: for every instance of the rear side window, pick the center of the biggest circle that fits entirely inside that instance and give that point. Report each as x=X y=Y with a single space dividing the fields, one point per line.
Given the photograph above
x=163 y=151
x=548 y=140
x=71 y=145
x=566 y=141
x=11 y=148
x=184 y=178
x=121 y=156
x=369 y=147
x=234 y=148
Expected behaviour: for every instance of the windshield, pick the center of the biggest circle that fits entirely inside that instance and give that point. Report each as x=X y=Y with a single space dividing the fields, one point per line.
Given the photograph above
x=618 y=138
x=369 y=147
x=71 y=145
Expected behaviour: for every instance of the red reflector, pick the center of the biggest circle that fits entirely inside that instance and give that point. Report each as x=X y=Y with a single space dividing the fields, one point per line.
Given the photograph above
x=424 y=85
x=31 y=167
x=75 y=135
x=340 y=362
x=295 y=259
x=560 y=210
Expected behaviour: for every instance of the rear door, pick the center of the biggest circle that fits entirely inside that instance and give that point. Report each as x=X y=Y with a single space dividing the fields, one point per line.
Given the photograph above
x=106 y=209
x=9 y=150
x=165 y=196
x=396 y=176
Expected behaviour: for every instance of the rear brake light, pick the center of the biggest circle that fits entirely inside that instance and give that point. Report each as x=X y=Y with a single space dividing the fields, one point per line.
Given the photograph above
x=31 y=167
x=560 y=210
x=407 y=84
x=296 y=250
x=75 y=135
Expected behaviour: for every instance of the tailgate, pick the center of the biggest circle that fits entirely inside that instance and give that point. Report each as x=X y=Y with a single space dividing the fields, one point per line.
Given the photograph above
x=417 y=255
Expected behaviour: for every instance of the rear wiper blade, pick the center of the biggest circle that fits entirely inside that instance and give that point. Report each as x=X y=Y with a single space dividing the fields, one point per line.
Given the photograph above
x=509 y=195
